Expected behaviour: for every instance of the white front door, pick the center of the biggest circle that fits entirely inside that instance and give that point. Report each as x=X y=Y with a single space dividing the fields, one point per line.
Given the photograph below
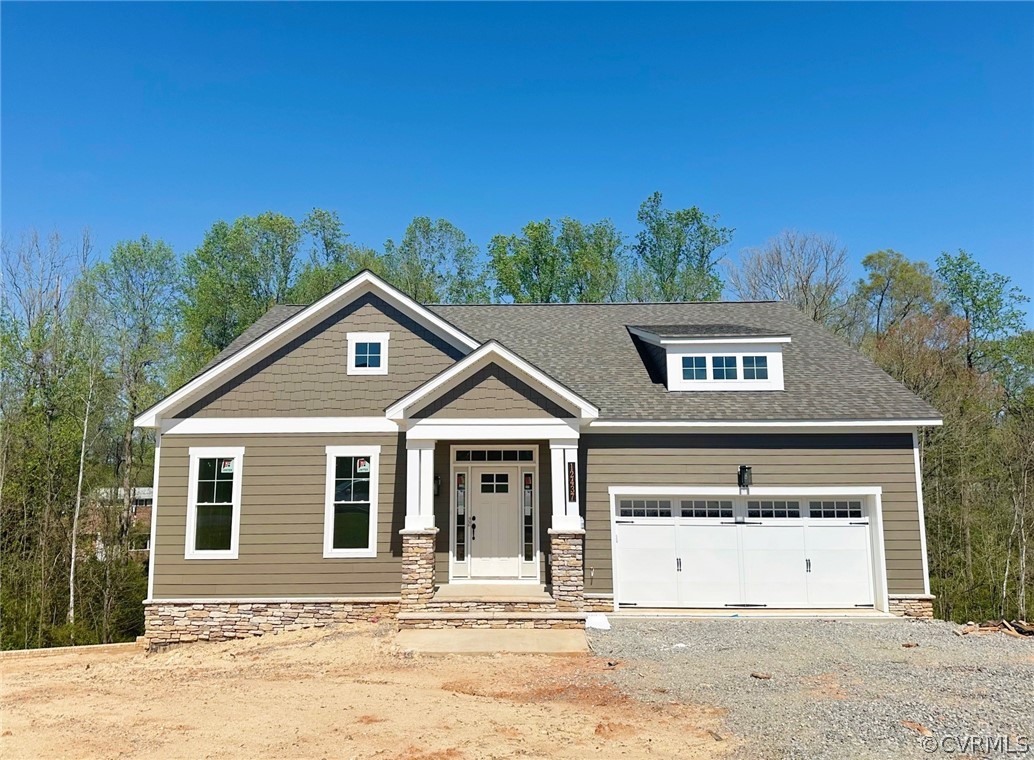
x=495 y=522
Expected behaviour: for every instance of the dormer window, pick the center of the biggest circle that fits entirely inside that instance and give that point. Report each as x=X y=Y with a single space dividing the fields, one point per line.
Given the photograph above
x=694 y=367
x=723 y=367
x=367 y=353
x=755 y=368
x=717 y=357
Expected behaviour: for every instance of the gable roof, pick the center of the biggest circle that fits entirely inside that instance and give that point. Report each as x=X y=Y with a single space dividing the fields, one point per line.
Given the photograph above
x=589 y=348
x=268 y=334
x=491 y=352
x=592 y=351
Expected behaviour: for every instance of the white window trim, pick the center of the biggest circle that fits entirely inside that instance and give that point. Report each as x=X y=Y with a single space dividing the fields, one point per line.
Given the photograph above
x=772 y=352
x=333 y=452
x=213 y=452
x=368 y=337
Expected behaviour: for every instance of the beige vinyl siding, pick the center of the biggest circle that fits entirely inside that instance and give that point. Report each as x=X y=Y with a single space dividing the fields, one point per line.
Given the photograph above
x=884 y=460
x=492 y=392
x=281 y=524
x=308 y=377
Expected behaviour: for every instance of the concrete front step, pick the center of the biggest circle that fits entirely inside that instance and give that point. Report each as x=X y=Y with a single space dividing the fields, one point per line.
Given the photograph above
x=490 y=619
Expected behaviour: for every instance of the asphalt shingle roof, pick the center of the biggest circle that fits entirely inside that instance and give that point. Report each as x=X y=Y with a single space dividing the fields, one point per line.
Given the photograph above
x=589 y=348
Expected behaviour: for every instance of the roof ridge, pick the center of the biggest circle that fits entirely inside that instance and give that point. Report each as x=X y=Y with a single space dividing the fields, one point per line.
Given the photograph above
x=609 y=303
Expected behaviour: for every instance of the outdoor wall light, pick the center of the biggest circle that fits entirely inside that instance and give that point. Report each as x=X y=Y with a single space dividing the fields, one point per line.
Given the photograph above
x=437 y=484
x=744 y=477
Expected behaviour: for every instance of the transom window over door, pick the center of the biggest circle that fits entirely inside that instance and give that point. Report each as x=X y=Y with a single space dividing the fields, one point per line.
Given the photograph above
x=368 y=353
x=214 y=503
x=350 y=519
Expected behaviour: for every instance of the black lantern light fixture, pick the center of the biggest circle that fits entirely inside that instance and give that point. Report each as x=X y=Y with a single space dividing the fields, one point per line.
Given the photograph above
x=437 y=484
x=744 y=477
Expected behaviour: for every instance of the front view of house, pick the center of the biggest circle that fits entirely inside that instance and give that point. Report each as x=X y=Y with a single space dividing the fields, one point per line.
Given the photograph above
x=520 y=465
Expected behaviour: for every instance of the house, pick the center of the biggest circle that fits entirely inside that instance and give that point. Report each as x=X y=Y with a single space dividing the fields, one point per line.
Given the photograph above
x=520 y=465
x=102 y=509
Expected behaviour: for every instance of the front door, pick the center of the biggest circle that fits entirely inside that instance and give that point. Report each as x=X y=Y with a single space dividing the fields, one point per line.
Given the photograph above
x=494 y=523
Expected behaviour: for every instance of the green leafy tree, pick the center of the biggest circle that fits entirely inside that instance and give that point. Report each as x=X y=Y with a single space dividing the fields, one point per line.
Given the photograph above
x=530 y=267
x=436 y=262
x=990 y=304
x=594 y=257
x=895 y=288
x=675 y=254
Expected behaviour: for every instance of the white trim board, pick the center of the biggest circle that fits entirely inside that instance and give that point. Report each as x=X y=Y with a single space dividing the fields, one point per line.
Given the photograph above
x=254 y=425
x=705 y=340
x=492 y=351
x=362 y=283
x=154 y=516
x=889 y=425
x=922 y=514
x=502 y=429
x=693 y=490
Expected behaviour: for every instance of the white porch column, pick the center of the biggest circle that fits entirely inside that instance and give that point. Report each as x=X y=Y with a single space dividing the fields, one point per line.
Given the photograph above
x=563 y=456
x=419 y=485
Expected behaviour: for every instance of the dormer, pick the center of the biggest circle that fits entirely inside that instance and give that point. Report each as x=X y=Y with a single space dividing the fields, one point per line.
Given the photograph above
x=717 y=357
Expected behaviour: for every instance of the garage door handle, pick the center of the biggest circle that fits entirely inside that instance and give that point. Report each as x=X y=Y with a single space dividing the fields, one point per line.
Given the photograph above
x=623 y=522
x=678 y=564
x=807 y=565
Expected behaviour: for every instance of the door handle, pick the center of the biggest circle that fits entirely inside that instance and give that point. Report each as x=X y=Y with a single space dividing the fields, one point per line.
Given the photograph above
x=807 y=565
x=678 y=564
x=473 y=527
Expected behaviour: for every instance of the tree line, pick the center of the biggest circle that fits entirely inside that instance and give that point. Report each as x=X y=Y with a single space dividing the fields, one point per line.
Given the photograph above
x=87 y=342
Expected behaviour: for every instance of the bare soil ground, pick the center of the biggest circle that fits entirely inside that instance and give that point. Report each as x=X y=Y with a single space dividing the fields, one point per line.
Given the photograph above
x=335 y=693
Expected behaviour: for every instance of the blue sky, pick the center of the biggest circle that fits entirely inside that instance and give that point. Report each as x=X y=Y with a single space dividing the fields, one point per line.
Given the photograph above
x=906 y=126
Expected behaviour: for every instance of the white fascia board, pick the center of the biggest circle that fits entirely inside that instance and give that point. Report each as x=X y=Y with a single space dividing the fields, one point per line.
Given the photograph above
x=276 y=425
x=499 y=429
x=707 y=340
x=361 y=283
x=691 y=490
x=491 y=351
x=718 y=426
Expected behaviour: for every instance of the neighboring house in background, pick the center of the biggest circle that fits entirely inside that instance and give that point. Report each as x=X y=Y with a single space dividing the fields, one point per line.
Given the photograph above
x=520 y=465
x=142 y=503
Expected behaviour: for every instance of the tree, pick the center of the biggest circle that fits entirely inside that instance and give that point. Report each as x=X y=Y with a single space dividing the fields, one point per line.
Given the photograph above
x=138 y=287
x=989 y=303
x=594 y=255
x=530 y=267
x=806 y=270
x=436 y=262
x=895 y=288
x=544 y=264
x=675 y=254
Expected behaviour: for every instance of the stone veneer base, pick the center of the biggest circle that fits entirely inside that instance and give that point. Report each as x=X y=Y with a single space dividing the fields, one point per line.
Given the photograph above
x=167 y=623
x=913 y=606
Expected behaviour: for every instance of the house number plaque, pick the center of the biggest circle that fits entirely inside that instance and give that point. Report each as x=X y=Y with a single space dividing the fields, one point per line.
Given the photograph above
x=572 y=482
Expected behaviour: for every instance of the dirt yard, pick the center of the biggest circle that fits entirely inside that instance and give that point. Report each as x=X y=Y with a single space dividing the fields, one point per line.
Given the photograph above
x=335 y=694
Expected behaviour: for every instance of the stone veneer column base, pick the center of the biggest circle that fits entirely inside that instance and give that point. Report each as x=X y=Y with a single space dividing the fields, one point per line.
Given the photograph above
x=567 y=568
x=167 y=623
x=911 y=605
x=417 y=567
x=599 y=603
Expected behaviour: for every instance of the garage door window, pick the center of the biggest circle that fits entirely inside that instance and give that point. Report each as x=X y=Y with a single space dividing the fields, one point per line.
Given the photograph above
x=644 y=508
x=703 y=508
x=834 y=509
x=773 y=509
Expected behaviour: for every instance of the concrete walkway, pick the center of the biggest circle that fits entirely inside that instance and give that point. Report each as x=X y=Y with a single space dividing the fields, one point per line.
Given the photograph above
x=441 y=641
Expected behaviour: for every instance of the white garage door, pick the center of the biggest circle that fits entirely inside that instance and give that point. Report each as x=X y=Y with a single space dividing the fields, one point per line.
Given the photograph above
x=742 y=552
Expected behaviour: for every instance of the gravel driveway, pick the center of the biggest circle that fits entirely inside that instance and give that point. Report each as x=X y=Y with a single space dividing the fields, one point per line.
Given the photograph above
x=837 y=689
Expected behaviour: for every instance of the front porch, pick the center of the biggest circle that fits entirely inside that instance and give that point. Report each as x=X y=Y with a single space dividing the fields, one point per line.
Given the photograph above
x=493 y=537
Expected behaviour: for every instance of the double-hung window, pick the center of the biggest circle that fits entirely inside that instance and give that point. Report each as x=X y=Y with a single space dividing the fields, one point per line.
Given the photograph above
x=723 y=367
x=350 y=519
x=367 y=353
x=214 y=502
